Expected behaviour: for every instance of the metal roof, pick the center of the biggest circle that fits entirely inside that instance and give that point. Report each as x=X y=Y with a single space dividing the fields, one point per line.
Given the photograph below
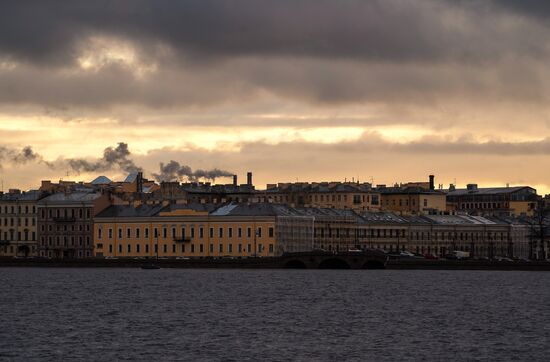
x=69 y=198
x=488 y=190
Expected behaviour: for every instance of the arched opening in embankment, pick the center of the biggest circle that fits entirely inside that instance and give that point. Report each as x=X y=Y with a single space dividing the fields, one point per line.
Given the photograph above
x=334 y=263
x=295 y=264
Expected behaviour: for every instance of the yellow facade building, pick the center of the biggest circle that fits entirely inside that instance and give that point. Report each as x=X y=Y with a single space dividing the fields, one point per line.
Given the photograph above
x=413 y=200
x=336 y=195
x=18 y=219
x=185 y=231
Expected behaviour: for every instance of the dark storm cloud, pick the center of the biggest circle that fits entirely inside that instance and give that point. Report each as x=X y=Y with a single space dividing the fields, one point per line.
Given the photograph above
x=534 y=8
x=396 y=30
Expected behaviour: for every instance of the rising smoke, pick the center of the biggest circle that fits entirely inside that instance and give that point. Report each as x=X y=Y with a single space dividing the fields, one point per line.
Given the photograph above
x=117 y=157
x=113 y=158
x=26 y=154
x=173 y=171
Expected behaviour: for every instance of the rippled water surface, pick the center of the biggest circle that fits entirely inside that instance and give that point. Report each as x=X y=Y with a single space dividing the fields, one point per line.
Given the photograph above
x=273 y=315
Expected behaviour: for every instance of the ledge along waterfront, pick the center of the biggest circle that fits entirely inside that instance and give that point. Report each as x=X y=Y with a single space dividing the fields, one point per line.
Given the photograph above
x=363 y=260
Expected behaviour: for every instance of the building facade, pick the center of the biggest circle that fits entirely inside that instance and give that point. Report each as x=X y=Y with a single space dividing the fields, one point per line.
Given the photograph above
x=186 y=230
x=65 y=223
x=503 y=201
x=267 y=229
x=337 y=195
x=18 y=220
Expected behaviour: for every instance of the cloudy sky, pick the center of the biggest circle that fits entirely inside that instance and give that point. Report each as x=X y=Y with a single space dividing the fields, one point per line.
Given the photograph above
x=391 y=90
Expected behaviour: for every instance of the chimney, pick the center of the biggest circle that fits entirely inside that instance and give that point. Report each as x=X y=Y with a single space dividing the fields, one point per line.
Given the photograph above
x=452 y=187
x=139 y=182
x=249 y=178
x=234 y=180
x=471 y=187
x=432 y=184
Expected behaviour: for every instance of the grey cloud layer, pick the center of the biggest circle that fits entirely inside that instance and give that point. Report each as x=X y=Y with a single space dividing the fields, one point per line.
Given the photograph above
x=316 y=52
x=395 y=30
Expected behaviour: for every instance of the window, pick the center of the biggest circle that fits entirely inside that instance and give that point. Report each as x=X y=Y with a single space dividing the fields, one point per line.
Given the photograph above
x=156 y=232
x=137 y=233
x=192 y=248
x=164 y=233
x=201 y=232
x=271 y=232
x=119 y=248
x=211 y=233
x=137 y=248
x=165 y=248
x=271 y=248
x=100 y=246
x=230 y=232
x=174 y=233
x=111 y=248
x=147 y=233
x=211 y=248
x=129 y=248
x=128 y=233
x=192 y=232
x=119 y=233
x=201 y=248
x=99 y=233
x=240 y=232
x=110 y=233
x=147 y=248
x=230 y=248
x=220 y=232
x=220 y=248
x=173 y=248
x=240 y=248
x=249 y=248
x=248 y=232
x=259 y=232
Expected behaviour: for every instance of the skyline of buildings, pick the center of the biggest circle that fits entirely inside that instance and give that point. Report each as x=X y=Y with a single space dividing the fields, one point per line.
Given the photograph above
x=136 y=217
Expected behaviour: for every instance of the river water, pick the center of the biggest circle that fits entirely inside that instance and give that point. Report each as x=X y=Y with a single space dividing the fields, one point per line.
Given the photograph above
x=273 y=315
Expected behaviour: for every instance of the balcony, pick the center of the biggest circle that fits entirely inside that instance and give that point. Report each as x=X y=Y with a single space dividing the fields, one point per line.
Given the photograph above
x=64 y=219
x=182 y=240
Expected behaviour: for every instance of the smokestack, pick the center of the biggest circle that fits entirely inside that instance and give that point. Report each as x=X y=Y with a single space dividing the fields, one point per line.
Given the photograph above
x=234 y=180
x=139 y=182
x=249 y=178
x=432 y=184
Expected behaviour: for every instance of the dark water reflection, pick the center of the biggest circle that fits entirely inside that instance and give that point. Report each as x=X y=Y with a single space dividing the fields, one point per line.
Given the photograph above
x=273 y=315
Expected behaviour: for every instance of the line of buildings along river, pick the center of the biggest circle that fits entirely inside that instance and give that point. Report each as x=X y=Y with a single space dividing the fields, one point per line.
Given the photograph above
x=140 y=218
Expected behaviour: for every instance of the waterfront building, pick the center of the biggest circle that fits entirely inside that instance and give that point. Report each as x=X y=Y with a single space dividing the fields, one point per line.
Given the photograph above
x=65 y=222
x=434 y=235
x=18 y=219
x=188 y=230
x=517 y=200
x=267 y=229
